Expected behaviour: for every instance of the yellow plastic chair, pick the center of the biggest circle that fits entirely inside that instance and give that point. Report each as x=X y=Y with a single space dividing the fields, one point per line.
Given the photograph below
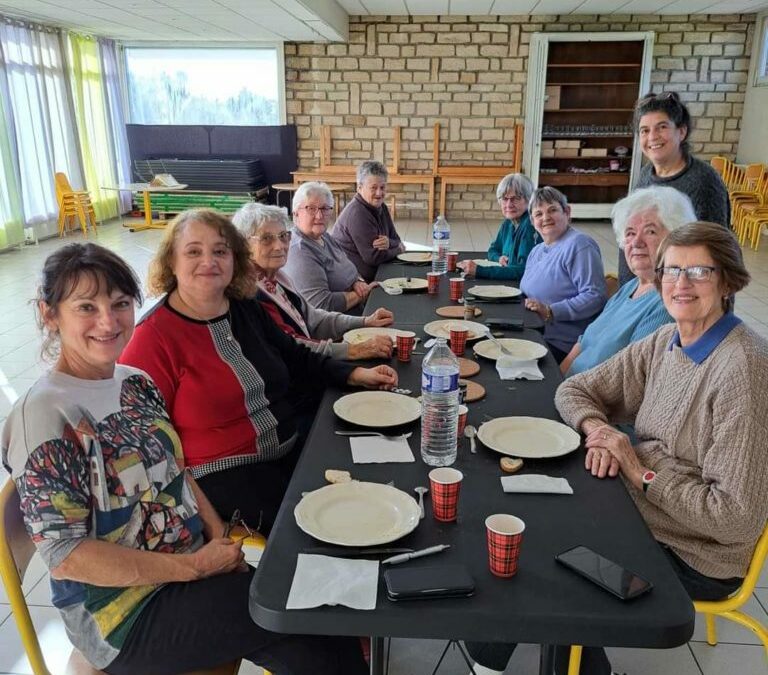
x=73 y=204
x=729 y=608
x=16 y=550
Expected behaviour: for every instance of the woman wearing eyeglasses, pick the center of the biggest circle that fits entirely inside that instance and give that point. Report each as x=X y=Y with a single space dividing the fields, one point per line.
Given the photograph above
x=695 y=392
x=365 y=229
x=317 y=265
x=267 y=229
x=663 y=125
x=516 y=237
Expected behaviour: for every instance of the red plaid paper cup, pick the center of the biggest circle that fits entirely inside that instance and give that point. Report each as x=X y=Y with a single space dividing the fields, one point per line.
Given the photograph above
x=433 y=282
x=405 y=342
x=456 y=288
x=463 y=411
x=444 y=485
x=505 y=536
x=452 y=258
x=459 y=340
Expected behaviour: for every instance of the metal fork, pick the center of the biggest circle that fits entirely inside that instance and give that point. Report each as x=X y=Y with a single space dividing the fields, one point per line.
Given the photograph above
x=499 y=344
x=371 y=433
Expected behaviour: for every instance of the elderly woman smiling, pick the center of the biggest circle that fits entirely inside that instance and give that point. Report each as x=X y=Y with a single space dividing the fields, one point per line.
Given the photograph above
x=640 y=221
x=563 y=278
x=696 y=394
x=317 y=265
x=267 y=229
x=365 y=229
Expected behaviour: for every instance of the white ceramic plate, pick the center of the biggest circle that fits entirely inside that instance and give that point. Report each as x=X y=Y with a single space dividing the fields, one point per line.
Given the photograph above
x=495 y=292
x=530 y=437
x=377 y=409
x=406 y=283
x=416 y=256
x=358 y=335
x=482 y=262
x=521 y=349
x=357 y=514
x=442 y=328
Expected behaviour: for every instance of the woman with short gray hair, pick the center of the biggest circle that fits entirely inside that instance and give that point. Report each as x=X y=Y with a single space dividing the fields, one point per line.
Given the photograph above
x=516 y=237
x=365 y=229
x=267 y=229
x=641 y=221
x=317 y=265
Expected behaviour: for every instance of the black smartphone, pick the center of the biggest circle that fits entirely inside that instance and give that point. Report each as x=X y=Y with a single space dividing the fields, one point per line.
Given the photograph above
x=605 y=573
x=421 y=583
x=510 y=324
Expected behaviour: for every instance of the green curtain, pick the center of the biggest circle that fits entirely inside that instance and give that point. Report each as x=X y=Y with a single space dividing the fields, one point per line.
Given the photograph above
x=11 y=213
x=93 y=123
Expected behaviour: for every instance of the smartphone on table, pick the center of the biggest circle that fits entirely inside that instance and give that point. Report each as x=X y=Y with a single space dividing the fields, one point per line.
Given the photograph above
x=421 y=583
x=605 y=573
x=509 y=324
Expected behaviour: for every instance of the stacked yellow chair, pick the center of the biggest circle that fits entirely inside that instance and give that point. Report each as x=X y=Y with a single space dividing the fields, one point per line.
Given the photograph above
x=73 y=204
x=749 y=196
x=16 y=550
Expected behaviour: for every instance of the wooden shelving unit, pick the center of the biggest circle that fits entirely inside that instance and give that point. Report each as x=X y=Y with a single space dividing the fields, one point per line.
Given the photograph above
x=591 y=89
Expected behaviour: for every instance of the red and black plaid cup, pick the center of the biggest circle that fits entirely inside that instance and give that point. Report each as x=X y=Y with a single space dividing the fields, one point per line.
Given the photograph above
x=463 y=412
x=433 y=282
x=505 y=536
x=456 y=288
x=405 y=342
x=452 y=258
x=459 y=340
x=444 y=485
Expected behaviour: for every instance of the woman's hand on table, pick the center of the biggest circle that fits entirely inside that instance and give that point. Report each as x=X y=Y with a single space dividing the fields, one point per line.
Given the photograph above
x=542 y=309
x=362 y=289
x=219 y=556
x=610 y=451
x=504 y=260
x=377 y=347
x=381 y=317
x=380 y=377
x=469 y=267
x=381 y=243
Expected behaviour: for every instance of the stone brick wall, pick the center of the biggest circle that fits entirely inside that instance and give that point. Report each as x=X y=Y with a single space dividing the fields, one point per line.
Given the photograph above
x=469 y=74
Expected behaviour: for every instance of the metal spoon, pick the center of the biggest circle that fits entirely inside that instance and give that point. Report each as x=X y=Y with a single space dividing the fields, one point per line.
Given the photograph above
x=421 y=491
x=470 y=432
x=372 y=433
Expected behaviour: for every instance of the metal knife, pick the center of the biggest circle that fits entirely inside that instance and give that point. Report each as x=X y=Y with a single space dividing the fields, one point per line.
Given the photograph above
x=354 y=552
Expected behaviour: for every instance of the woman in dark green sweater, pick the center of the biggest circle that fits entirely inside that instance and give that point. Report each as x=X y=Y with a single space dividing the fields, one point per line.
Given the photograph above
x=516 y=235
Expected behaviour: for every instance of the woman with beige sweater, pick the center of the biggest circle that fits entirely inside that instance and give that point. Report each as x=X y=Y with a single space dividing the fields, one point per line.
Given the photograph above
x=695 y=392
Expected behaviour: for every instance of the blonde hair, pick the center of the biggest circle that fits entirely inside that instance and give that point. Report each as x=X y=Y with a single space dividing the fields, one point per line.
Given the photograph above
x=161 y=277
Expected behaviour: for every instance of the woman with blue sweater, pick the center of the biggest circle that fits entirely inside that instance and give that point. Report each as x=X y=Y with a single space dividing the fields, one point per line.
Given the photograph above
x=564 y=280
x=516 y=237
x=641 y=222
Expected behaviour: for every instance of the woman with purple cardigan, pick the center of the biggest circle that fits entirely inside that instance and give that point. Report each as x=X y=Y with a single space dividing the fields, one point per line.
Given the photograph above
x=564 y=280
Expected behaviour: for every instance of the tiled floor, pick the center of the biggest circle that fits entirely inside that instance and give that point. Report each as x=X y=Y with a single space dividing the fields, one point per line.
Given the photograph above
x=737 y=654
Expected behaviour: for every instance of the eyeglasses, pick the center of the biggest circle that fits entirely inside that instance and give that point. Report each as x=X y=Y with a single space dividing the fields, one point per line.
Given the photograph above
x=696 y=274
x=268 y=239
x=314 y=210
x=515 y=198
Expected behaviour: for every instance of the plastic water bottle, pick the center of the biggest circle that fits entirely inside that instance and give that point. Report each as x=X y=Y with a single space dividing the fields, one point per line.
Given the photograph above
x=439 y=405
x=441 y=244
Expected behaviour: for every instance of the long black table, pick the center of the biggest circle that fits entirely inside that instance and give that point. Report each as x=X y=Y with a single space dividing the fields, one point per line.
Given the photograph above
x=544 y=603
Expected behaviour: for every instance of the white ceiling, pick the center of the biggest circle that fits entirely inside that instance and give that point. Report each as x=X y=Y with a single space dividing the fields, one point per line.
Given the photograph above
x=308 y=20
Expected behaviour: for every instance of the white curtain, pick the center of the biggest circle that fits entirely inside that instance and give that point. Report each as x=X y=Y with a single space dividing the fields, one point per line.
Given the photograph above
x=41 y=117
x=115 y=110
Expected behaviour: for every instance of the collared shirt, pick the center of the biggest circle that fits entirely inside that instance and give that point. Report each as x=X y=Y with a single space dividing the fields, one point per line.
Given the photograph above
x=706 y=344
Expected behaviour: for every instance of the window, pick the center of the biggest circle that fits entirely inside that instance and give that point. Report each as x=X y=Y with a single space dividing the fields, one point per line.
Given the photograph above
x=761 y=67
x=239 y=86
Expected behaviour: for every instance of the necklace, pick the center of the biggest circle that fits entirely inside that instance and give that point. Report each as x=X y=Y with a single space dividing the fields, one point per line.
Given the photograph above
x=197 y=316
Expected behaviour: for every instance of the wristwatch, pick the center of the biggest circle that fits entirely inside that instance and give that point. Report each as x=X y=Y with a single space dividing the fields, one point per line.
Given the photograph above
x=548 y=314
x=647 y=479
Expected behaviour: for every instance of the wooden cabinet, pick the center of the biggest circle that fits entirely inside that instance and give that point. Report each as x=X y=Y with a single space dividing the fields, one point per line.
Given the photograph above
x=583 y=141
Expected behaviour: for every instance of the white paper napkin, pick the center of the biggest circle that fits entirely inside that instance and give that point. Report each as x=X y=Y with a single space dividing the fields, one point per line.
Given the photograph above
x=324 y=580
x=391 y=290
x=536 y=483
x=510 y=368
x=377 y=450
